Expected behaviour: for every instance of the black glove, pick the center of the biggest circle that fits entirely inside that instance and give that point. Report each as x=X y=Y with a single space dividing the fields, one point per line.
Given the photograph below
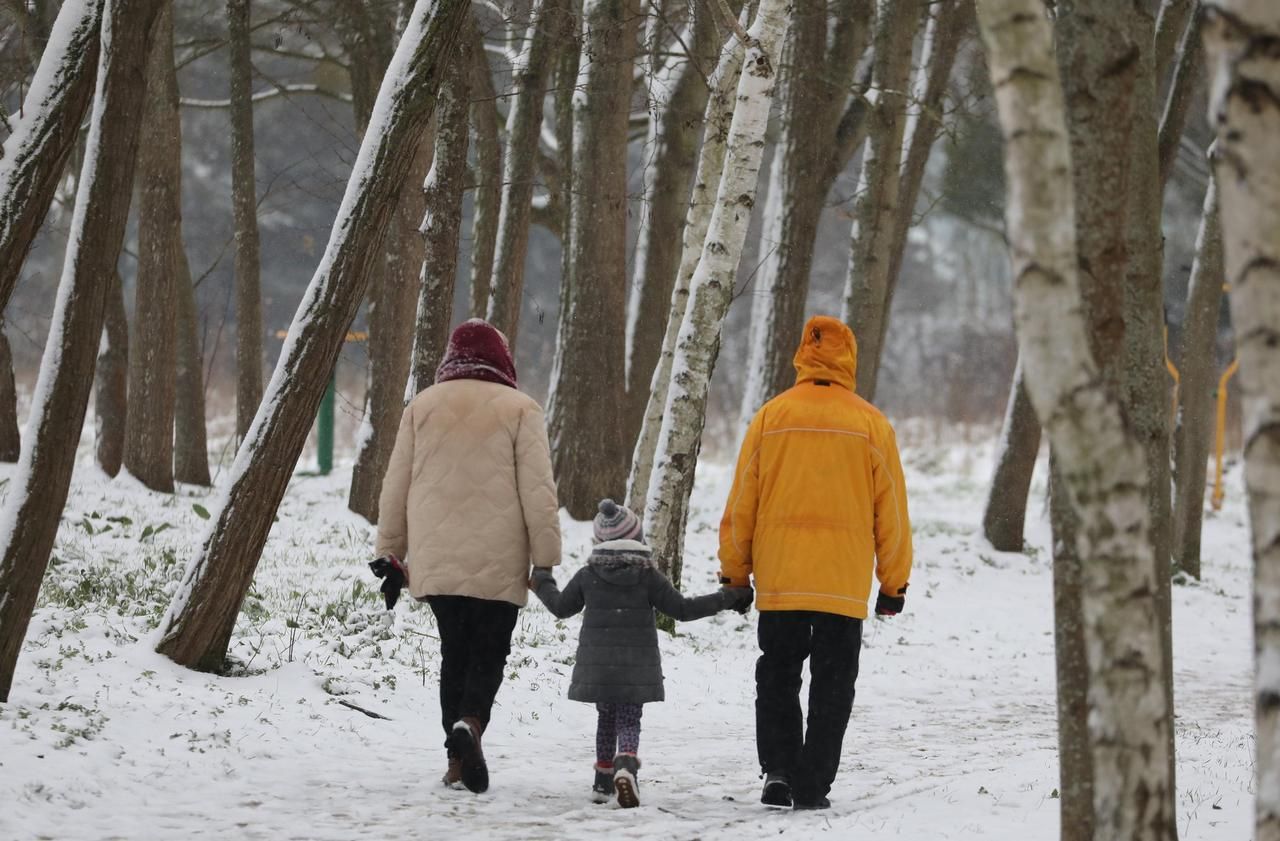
x=393 y=576
x=539 y=575
x=890 y=605
x=738 y=598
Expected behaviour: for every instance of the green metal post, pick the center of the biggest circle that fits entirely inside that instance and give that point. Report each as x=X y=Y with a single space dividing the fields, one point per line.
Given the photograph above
x=324 y=433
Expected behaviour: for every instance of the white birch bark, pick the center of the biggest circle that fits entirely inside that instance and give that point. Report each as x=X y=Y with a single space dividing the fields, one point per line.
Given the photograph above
x=711 y=291
x=1244 y=66
x=706 y=185
x=1102 y=463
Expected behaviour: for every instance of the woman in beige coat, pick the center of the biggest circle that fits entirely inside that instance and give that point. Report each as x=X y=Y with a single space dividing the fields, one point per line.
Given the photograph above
x=468 y=503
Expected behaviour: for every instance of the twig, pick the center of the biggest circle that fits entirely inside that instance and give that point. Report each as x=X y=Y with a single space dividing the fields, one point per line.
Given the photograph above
x=361 y=709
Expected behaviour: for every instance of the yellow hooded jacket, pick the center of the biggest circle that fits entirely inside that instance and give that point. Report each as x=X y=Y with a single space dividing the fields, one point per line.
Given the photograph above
x=818 y=503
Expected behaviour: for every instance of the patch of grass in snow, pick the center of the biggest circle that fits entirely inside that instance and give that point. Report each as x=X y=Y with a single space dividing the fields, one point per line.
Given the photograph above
x=79 y=582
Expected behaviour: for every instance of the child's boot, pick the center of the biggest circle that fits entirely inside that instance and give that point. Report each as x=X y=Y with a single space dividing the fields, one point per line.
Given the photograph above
x=602 y=790
x=626 y=767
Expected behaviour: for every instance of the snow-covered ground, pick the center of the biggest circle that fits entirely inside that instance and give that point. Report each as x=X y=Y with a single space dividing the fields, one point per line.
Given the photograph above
x=952 y=736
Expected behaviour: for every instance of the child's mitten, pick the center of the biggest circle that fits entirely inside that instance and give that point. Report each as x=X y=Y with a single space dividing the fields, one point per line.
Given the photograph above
x=737 y=598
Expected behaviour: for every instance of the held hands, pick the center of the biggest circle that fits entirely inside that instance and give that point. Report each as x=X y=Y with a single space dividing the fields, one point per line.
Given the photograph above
x=394 y=576
x=737 y=598
x=539 y=575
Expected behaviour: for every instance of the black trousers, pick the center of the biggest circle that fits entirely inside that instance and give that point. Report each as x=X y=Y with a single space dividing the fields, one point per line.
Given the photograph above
x=475 y=639
x=832 y=644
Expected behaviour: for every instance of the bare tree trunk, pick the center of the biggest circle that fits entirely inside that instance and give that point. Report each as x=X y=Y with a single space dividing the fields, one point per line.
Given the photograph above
x=198 y=625
x=1006 y=511
x=711 y=291
x=1196 y=386
x=190 y=444
x=488 y=183
x=586 y=406
x=244 y=198
x=111 y=398
x=1175 y=15
x=1174 y=118
x=524 y=126
x=440 y=229
x=1241 y=38
x=39 y=491
x=1101 y=458
x=10 y=438
x=813 y=82
x=148 y=450
x=866 y=287
x=706 y=188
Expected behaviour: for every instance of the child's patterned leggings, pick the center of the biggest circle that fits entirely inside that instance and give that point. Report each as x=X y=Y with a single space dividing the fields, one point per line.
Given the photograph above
x=617 y=730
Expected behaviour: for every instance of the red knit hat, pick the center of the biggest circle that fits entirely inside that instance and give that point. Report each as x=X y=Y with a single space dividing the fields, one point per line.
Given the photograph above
x=477 y=351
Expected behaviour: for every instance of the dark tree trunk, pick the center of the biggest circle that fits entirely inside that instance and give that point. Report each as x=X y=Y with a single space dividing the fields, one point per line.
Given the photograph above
x=35 y=502
x=191 y=444
x=488 y=180
x=244 y=200
x=148 y=451
x=111 y=399
x=10 y=437
x=1006 y=511
x=198 y=626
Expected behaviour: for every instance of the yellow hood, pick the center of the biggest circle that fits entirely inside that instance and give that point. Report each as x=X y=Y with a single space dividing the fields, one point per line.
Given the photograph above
x=827 y=352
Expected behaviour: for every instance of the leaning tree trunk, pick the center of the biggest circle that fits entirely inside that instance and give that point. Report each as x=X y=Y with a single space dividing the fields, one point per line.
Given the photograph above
x=197 y=628
x=711 y=292
x=524 y=126
x=488 y=180
x=1006 y=513
x=875 y=209
x=813 y=88
x=190 y=436
x=585 y=413
x=1241 y=41
x=706 y=187
x=111 y=395
x=1186 y=72
x=10 y=438
x=1196 y=385
x=441 y=227
x=148 y=449
x=244 y=201
x=1101 y=459
x=39 y=491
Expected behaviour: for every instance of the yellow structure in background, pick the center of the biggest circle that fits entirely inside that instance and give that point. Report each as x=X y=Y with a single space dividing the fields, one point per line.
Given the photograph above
x=1221 y=433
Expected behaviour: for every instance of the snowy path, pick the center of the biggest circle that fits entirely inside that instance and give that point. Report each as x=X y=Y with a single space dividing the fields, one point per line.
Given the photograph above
x=952 y=737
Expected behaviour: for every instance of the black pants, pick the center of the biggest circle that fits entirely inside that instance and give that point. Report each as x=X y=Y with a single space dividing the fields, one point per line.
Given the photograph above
x=832 y=644
x=475 y=639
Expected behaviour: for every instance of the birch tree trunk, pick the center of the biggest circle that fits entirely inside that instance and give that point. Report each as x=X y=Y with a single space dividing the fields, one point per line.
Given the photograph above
x=39 y=491
x=488 y=183
x=440 y=230
x=706 y=187
x=1197 y=366
x=197 y=628
x=1241 y=39
x=711 y=292
x=148 y=452
x=111 y=395
x=1006 y=512
x=813 y=84
x=244 y=202
x=190 y=436
x=866 y=287
x=585 y=414
x=524 y=126
x=1101 y=459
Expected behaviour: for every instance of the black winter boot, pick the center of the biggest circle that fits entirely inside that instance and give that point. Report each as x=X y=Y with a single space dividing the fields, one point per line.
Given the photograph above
x=625 y=770
x=464 y=743
x=777 y=791
x=602 y=790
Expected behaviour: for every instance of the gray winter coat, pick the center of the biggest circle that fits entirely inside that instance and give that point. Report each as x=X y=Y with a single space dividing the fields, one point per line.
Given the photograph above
x=618 y=660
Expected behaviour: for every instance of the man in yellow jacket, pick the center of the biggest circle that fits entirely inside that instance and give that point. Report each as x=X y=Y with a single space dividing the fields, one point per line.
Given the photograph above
x=818 y=508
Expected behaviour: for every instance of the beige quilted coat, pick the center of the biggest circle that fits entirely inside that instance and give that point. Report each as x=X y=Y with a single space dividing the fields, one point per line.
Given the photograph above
x=469 y=500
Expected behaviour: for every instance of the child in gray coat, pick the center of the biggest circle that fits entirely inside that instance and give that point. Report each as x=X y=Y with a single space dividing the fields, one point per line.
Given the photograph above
x=618 y=667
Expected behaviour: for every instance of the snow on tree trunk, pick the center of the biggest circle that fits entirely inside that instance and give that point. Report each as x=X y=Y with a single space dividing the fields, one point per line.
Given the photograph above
x=1198 y=381
x=1171 y=24
x=10 y=438
x=1006 y=511
x=711 y=292
x=244 y=201
x=197 y=628
x=33 y=508
x=191 y=443
x=488 y=181
x=1102 y=462
x=148 y=449
x=1242 y=43
x=813 y=83
x=440 y=231
x=111 y=394
x=1186 y=75
x=524 y=126
x=875 y=209
x=586 y=406
x=723 y=88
